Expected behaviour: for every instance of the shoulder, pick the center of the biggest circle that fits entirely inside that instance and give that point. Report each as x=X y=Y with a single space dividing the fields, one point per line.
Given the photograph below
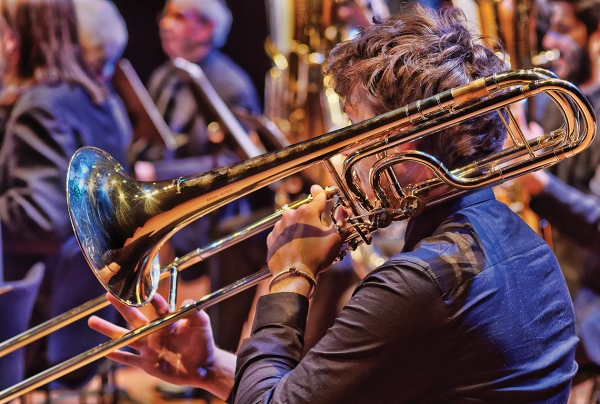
x=51 y=97
x=216 y=60
x=67 y=109
x=481 y=237
x=220 y=69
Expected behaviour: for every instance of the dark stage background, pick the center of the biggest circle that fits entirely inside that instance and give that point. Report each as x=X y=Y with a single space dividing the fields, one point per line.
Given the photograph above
x=245 y=44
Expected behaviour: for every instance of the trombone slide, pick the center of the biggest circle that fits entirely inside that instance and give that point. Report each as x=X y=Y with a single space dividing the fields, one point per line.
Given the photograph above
x=104 y=349
x=180 y=264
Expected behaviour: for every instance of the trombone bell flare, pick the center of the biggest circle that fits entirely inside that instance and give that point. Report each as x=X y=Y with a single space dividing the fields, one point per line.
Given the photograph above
x=95 y=182
x=121 y=223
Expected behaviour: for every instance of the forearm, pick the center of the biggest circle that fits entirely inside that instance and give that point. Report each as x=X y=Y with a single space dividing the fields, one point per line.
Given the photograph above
x=365 y=347
x=274 y=348
x=220 y=377
x=293 y=281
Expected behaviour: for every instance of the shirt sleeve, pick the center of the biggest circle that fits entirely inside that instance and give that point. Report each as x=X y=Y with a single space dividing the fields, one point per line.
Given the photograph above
x=365 y=347
x=574 y=213
x=34 y=160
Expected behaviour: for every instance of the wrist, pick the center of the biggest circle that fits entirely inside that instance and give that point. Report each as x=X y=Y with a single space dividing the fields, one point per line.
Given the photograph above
x=296 y=279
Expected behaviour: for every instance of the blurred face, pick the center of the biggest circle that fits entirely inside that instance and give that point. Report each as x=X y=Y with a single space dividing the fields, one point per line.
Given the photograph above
x=184 y=33
x=570 y=37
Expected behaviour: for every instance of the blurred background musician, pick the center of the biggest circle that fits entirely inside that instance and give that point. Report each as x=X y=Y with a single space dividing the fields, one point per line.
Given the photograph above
x=574 y=31
x=577 y=216
x=103 y=36
x=54 y=104
x=195 y=30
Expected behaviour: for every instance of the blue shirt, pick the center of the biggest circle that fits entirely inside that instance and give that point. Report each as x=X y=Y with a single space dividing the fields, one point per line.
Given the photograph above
x=475 y=309
x=577 y=216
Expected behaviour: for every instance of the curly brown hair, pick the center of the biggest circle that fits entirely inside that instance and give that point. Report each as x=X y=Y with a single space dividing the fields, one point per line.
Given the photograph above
x=415 y=54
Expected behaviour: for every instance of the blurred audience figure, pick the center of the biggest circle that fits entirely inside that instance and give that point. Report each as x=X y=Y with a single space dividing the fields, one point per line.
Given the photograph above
x=574 y=33
x=577 y=216
x=54 y=104
x=195 y=30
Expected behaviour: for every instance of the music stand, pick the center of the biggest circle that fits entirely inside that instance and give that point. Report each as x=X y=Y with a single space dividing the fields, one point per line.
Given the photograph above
x=147 y=122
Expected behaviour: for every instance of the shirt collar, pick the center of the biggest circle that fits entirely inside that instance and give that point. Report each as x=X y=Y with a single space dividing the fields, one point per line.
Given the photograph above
x=424 y=225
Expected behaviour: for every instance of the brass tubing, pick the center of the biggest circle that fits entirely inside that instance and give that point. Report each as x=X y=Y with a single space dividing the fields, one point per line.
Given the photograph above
x=122 y=223
x=102 y=350
x=56 y=323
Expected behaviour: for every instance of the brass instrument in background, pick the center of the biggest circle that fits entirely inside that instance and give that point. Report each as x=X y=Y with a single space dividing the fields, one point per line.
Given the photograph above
x=301 y=35
x=298 y=97
x=508 y=25
x=121 y=223
x=295 y=91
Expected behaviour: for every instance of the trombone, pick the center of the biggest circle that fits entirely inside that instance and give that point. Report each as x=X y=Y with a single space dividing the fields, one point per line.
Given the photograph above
x=121 y=223
x=179 y=264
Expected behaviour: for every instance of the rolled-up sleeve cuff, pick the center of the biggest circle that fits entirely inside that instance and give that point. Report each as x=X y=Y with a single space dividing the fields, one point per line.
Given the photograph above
x=281 y=308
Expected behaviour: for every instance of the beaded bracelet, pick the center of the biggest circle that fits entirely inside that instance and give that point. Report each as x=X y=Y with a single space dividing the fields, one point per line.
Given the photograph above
x=293 y=271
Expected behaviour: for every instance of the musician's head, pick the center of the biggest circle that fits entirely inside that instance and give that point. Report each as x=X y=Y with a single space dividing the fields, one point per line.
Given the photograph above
x=415 y=54
x=40 y=45
x=191 y=28
x=574 y=31
x=102 y=33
